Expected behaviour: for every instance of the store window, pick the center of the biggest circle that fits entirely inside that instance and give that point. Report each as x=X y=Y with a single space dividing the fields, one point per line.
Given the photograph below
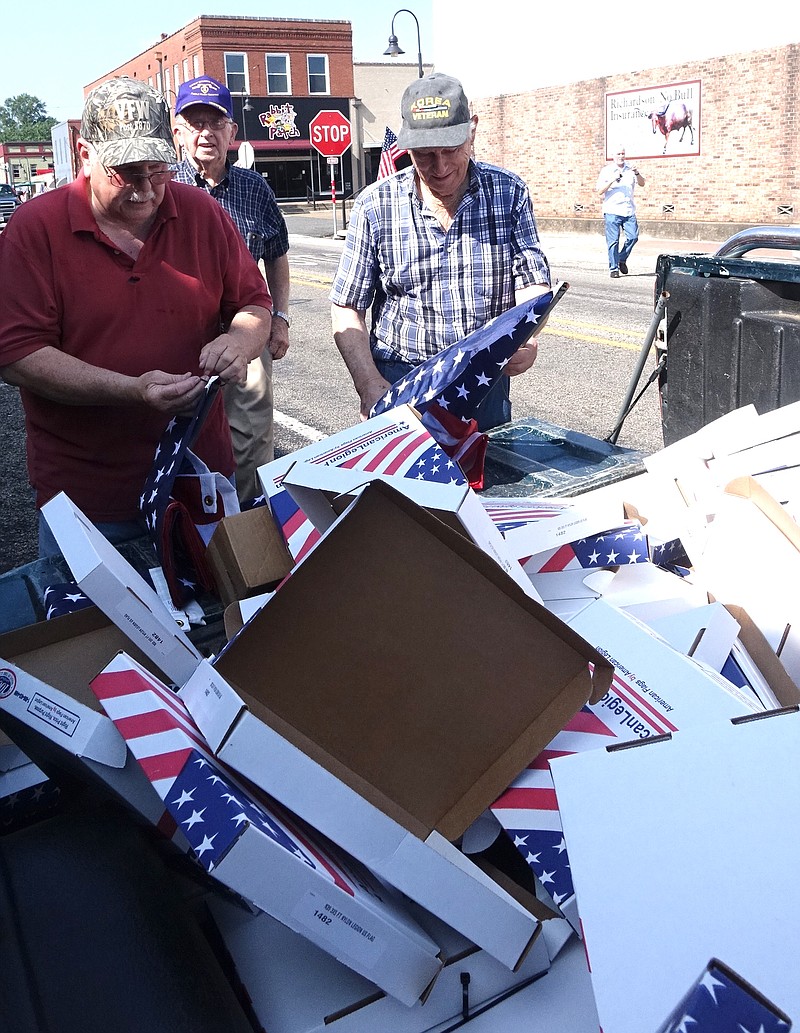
x=317 y=73
x=278 y=74
x=236 y=73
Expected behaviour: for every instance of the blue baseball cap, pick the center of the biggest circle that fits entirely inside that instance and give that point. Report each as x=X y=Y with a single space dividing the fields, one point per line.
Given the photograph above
x=204 y=90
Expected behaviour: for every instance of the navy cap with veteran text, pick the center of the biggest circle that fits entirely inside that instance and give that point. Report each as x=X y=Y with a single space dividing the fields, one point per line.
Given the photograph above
x=204 y=90
x=435 y=113
x=127 y=121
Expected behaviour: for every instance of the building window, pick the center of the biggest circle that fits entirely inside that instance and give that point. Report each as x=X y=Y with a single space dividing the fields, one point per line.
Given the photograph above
x=196 y=65
x=278 y=77
x=186 y=69
x=176 y=77
x=236 y=73
x=166 y=82
x=317 y=73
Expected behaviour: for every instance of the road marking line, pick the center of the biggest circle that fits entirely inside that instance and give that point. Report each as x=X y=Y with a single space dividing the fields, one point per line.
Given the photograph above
x=571 y=336
x=602 y=327
x=552 y=328
x=297 y=427
x=311 y=283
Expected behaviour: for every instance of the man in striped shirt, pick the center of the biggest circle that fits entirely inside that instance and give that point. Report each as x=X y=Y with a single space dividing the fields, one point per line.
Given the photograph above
x=436 y=251
x=205 y=130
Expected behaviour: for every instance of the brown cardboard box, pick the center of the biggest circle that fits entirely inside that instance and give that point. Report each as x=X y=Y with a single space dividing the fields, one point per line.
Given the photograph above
x=247 y=555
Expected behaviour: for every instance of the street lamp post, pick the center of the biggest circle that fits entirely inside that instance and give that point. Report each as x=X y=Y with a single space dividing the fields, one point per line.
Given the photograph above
x=393 y=50
x=160 y=58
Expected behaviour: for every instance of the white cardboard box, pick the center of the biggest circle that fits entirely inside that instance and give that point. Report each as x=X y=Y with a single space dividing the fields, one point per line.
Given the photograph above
x=260 y=851
x=397 y=449
x=46 y=703
x=324 y=701
x=530 y=526
x=389 y=446
x=751 y=556
x=673 y=822
x=294 y=987
x=655 y=691
x=113 y=585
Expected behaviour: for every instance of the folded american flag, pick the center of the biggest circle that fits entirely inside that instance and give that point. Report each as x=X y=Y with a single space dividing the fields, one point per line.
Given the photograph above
x=722 y=1002
x=63 y=598
x=181 y=527
x=461 y=375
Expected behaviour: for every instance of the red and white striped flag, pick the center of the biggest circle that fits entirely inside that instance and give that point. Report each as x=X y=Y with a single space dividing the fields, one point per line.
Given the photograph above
x=390 y=152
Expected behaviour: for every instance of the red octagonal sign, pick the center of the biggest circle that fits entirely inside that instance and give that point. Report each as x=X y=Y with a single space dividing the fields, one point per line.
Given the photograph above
x=331 y=133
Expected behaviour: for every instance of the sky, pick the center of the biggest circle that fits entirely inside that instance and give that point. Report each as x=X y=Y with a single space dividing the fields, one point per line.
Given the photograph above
x=56 y=50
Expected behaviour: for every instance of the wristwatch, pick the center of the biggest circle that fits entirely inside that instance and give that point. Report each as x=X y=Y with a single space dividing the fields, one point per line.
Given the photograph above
x=284 y=316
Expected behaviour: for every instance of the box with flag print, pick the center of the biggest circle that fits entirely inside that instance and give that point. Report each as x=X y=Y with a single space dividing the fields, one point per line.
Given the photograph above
x=531 y=526
x=324 y=699
x=48 y=710
x=612 y=547
x=720 y=1001
x=657 y=832
x=260 y=851
x=655 y=691
x=396 y=448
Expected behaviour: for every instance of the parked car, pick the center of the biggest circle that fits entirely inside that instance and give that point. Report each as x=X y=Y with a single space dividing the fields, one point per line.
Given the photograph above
x=8 y=202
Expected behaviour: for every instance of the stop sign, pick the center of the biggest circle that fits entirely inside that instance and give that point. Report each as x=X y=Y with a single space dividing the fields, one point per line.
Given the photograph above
x=331 y=133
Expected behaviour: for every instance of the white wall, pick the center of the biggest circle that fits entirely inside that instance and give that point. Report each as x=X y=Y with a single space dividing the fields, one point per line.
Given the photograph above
x=520 y=45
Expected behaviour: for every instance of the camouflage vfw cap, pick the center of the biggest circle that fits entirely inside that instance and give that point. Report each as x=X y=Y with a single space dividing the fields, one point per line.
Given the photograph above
x=127 y=121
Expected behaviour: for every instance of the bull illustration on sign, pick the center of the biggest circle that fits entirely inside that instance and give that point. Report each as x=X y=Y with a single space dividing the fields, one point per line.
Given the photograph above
x=671 y=117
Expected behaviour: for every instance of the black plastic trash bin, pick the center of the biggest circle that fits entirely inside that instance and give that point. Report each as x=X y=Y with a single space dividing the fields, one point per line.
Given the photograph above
x=732 y=330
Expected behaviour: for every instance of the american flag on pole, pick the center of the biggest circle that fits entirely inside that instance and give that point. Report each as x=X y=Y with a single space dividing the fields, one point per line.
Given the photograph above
x=460 y=376
x=390 y=152
x=721 y=1002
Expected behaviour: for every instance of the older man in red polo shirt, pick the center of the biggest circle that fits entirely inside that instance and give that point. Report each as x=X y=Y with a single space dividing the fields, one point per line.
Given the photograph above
x=122 y=293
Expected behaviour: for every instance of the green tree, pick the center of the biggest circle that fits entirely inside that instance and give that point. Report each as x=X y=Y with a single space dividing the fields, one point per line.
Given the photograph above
x=25 y=118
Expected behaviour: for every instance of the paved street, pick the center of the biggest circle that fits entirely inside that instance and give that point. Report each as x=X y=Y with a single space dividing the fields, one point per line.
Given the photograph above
x=586 y=358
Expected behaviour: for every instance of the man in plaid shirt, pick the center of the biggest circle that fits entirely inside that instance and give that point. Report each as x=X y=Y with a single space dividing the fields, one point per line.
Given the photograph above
x=204 y=129
x=436 y=250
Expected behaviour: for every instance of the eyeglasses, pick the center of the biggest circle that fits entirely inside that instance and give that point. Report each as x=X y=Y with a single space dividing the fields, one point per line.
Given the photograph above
x=199 y=124
x=125 y=177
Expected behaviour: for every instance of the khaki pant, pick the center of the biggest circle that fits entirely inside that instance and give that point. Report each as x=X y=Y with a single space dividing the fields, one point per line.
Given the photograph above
x=249 y=410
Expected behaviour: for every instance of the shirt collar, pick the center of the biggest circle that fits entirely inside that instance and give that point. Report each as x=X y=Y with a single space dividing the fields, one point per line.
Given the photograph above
x=200 y=179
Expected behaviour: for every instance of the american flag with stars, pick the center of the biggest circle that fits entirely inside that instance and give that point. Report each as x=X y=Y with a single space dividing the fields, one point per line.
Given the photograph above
x=460 y=376
x=205 y=801
x=177 y=546
x=528 y=809
x=721 y=1002
x=62 y=598
x=617 y=547
x=390 y=152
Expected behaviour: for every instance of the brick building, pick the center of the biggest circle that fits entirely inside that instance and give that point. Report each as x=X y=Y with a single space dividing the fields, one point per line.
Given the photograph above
x=280 y=71
x=742 y=169
x=26 y=164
